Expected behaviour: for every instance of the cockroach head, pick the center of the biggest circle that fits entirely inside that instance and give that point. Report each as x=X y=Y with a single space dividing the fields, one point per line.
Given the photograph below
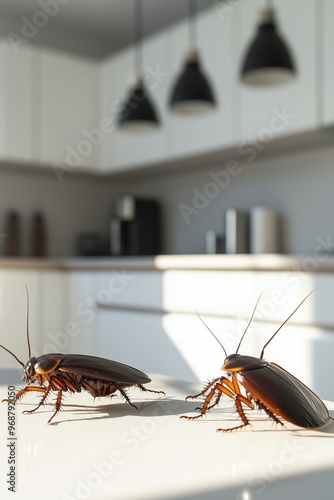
x=29 y=370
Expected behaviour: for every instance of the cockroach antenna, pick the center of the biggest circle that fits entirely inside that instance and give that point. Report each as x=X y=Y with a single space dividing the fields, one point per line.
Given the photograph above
x=206 y=326
x=29 y=349
x=10 y=352
x=28 y=339
x=249 y=322
x=284 y=322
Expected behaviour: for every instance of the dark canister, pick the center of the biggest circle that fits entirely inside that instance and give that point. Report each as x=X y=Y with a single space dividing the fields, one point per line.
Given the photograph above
x=13 y=236
x=38 y=236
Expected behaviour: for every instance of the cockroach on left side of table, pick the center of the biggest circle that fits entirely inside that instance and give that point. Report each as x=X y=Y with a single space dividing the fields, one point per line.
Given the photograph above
x=75 y=372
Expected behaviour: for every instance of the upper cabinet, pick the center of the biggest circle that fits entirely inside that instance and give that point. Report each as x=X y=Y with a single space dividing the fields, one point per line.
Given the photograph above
x=61 y=110
x=123 y=149
x=18 y=137
x=48 y=108
x=192 y=134
x=327 y=33
x=289 y=107
x=68 y=110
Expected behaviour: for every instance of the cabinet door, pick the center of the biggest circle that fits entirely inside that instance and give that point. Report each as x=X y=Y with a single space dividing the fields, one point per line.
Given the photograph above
x=177 y=345
x=124 y=287
x=68 y=110
x=213 y=130
x=13 y=315
x=52 y=311
x=267 y=112
x=80 y=316
x=326 y=27
x=18 y=124
x=138 y=339
x=124 y=149
x=107 y=104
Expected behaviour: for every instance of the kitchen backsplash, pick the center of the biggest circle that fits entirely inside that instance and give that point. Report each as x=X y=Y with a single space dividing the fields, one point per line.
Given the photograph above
x=298 y=186
x=77 y=205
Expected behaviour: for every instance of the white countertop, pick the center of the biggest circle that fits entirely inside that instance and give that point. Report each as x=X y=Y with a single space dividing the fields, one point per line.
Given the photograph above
x=241 y=262
x=106 y=450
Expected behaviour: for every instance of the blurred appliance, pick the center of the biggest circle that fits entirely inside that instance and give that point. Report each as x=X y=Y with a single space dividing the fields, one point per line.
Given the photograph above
x=135 y=227
x=265 y=234
x=237 y=231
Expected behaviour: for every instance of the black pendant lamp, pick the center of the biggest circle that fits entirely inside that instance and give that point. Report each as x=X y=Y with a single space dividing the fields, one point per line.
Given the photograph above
x=268 y=60
x=192 y=92
x=137 y=113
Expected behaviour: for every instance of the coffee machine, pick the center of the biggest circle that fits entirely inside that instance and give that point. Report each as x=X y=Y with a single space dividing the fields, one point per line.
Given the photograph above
x=135 y=226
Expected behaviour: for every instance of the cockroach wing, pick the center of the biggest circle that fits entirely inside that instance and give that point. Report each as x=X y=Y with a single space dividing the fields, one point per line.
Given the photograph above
x=285 y=395
x=102 y=369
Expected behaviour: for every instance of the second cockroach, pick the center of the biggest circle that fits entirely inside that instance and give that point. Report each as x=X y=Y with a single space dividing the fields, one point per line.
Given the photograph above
x=267 y=386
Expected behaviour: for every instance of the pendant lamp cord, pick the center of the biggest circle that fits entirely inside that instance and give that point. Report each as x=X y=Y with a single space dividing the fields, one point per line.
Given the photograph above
x=138 y=4
x=192 y=9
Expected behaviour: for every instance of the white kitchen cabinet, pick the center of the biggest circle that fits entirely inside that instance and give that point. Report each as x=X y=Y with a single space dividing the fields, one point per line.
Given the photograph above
x=327 y=76
x=147 y=318
x=80 y=321
x=18 y=122
x=68 y=111
x=46 y=313
x=61 y=110
x=13 y=315
x=149 y=321
x=268 y=112
x=52 y=311
x=131 y=323
x=125 y=288
x=124 y=149
x=234 y=294
x=62 y=313
x=139 y=339
x=213 y=130
x=107 y=103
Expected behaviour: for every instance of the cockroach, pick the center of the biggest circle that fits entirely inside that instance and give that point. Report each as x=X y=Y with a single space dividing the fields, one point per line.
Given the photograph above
x=75 y=372
x=268 y=387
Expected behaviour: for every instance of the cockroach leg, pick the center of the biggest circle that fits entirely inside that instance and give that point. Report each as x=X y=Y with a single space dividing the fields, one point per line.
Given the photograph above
x=205 y=406
x=22 y=392
x=58 y=405
x=219 y=395
x=42 y=401
x=125 y=396
x=239 y=399
x=270 y=413
x=206 y=388
x=216 y=385
x=149 y=390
